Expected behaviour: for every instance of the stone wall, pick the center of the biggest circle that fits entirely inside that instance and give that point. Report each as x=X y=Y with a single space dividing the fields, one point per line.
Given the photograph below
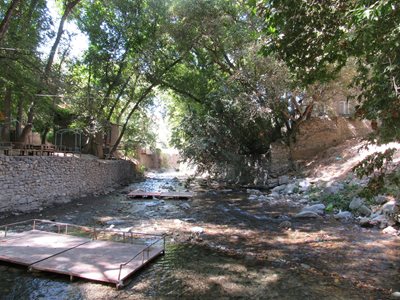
x=319 y=134
x=29 y=183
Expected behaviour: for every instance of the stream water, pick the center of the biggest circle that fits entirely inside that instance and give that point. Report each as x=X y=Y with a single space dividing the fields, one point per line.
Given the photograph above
x=222 y=246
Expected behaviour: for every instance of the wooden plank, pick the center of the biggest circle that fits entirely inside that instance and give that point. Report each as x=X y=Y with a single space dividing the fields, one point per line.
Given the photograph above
x=144 y=194
x=99 y=260
x=32 y=246
x=177 y=195
x=174 y=195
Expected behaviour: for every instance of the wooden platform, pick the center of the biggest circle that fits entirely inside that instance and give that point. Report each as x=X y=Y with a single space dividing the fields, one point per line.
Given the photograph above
x=166 y=195
x=33 y=246
x=98 y=260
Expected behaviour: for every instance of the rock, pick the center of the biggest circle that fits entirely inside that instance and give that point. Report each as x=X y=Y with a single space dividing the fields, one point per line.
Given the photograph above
x=356 y=203
x=197 y=229
x=334 y=188
x=189 y=220
x=390 y=230
x=289 y=189
x=272 y=182
x=395 y=295
x=253 y=197
x=115 y=222
x=381 y=199
x=382 y=221
x=316 y=208
x=304 y=185
x=285 y=224
x=274 y=195
x=343 y=215
x=390 y=208
x=278 y=189
x=185 y=206
x=307 y=214
x=262 y=198
x=253 y=191
x=283 y=179
x=365 y=222
x=364 y=211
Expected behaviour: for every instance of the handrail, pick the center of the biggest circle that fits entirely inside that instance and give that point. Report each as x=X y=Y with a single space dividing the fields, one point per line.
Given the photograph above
x=141 y=252
x=95 y=230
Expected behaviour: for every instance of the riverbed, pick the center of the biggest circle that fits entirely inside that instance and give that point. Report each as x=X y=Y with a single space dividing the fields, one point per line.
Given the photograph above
x=221 y=245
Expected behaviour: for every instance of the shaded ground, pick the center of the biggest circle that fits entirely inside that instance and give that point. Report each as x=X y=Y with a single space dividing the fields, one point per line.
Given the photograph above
x=221 y=245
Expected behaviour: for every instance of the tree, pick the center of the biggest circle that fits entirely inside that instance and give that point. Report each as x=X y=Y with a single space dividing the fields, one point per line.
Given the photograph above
x=20 y=61
x=5 y=23
x=68 y=6
x=231 y=101
x=316 y=39
x=127 y=58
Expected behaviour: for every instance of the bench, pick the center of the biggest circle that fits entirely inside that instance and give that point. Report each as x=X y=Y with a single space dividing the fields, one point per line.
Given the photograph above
x=5 y=147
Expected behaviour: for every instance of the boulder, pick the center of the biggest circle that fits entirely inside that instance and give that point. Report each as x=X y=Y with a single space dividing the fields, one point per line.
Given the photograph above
x=283 y=179
x=185 y=206
x=307 y=214
x=278 y=188
x=364 y=211
x=395 y=295
x=253 y=191
x=316 y=208
x=274 y=195
x=381 y=199
x=382 y=221
x=289 y=189
x=304 y=185
x=334 y=188
x=392 y=210
x=197 y=229
x=285 y=225
x=343 y=215
x=356 y=203
x=390 y=230
x=253 y=197
x=365 y=222
x=262 y=198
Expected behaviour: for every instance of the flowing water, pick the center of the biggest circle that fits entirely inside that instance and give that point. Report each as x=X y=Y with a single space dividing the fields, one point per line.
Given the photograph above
x=222 y=246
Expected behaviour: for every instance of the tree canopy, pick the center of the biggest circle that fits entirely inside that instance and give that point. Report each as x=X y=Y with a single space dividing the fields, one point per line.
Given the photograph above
x=241 y=74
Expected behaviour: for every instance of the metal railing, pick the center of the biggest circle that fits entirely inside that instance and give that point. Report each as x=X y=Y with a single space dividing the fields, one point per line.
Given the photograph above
x=65 y=228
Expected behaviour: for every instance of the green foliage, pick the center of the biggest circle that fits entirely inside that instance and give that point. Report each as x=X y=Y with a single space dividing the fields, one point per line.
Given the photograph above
x=317 y=38
x=339 y=200
x=228 y=99
x=375 y=165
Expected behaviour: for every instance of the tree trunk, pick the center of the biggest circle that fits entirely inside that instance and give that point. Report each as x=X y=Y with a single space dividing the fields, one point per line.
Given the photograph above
x=5 y=23
x=5 y=133
x=43 y=136
x=20 y=112
x=99 y=145
x=28 y=127
x=121 y=134
x=68 y=9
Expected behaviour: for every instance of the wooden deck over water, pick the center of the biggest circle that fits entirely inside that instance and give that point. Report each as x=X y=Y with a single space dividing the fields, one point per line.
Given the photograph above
x=105 y=261
x=168 y=195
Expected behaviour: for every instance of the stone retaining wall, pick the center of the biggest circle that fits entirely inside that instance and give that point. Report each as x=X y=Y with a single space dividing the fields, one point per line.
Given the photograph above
x=319 y=134
x=29 y=183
